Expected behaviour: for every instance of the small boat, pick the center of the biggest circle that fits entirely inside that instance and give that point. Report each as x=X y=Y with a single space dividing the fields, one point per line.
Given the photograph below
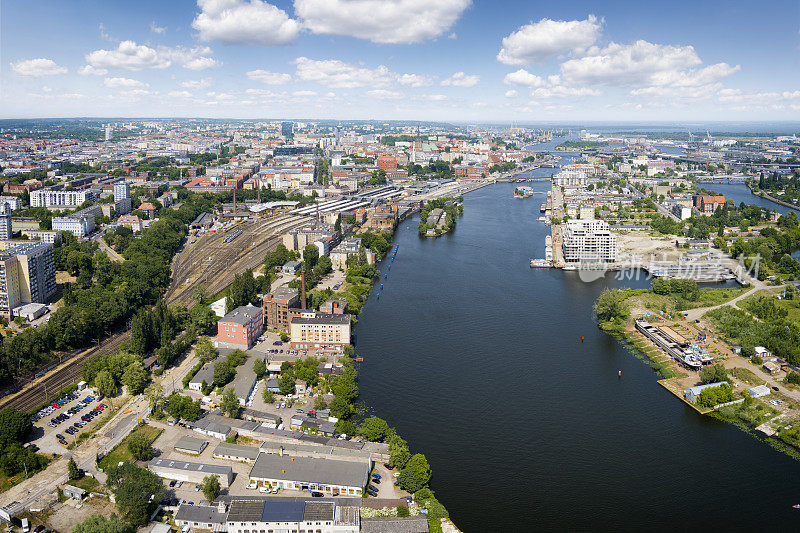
x=358 y=359
x=541 y=263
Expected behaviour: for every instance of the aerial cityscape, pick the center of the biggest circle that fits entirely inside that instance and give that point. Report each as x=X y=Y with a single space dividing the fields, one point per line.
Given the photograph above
x=394 y=266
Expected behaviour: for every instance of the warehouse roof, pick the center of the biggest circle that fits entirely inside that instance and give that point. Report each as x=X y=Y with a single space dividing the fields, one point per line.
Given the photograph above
x=236 y=450
x=311 y=470
x=395 y=524
x=205 y=514
x=242 y=315
x=190 y=443
x=190 y=467
x=318 y=511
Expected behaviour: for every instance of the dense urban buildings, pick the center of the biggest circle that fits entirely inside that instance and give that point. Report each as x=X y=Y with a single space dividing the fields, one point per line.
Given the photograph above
x=27 y=275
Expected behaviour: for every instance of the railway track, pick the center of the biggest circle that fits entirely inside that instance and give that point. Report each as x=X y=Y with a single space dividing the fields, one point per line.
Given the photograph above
x=45 y=388
x=215 y=263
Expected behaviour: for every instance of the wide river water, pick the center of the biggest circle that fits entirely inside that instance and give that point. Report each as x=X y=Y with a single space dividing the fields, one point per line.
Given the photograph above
x=477 y=360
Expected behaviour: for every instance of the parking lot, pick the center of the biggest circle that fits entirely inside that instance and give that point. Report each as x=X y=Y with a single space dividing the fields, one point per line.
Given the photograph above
x=333 y=281
x=59 y=424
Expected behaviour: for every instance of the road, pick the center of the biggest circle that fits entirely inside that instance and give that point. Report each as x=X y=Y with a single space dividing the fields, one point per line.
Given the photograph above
x=23 y=495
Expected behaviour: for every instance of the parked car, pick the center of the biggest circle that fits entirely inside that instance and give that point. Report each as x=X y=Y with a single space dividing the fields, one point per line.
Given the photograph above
x=263 y=489
x=316 y=494
x=172 y=483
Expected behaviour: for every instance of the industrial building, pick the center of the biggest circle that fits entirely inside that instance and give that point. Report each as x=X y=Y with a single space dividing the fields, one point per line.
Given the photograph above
x=190 y=472
x=276 y=307
x=309 y=473
x=190 y=445
x=313 y=330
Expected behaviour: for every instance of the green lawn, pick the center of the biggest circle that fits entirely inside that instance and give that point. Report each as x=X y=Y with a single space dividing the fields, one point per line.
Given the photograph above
x=89 y=484
x=121 y=452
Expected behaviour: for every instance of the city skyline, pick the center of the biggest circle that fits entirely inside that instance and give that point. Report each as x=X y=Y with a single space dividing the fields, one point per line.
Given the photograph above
x=455 y=60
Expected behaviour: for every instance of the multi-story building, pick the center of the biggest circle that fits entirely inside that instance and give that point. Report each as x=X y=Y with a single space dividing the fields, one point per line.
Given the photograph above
x=80 y=226
x=5 y=222
x=59 y=197
x=707 y=204
x=589 y=241
x=12 y=202
x=240 y=328
x=27 y=275
x=276 y=307
x=570 y=178
x=312 y=330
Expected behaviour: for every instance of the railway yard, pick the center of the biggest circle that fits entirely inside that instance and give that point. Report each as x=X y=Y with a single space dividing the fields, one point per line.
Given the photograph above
x=213 y=262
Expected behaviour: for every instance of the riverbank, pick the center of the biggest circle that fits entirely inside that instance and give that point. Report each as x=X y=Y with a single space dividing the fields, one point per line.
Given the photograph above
x=760 y=193
x=761 y=403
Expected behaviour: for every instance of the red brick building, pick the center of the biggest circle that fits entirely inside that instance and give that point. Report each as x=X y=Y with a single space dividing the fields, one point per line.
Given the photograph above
x=240 y=328
x=387 y=162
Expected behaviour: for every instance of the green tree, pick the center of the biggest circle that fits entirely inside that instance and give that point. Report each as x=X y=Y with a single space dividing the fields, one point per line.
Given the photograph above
x=72 y=470
x=204 y=349
x=223 y=373
x=97 y=523
x=267 y=395
x=140 y=446
x=202 y=317
x=416 y=473
x=154 y=394
x=14 y=426
x=399 y=452
x=374 y=428
x=210 y=487
x=402 y=511
x=310 y=257
x=105 y=383
x=320 y=403
x=135 y=378
x=286 y=383
x=713 y=374
x=230 y=403
x=259 y=367
x=236 y=358
x=137 y=491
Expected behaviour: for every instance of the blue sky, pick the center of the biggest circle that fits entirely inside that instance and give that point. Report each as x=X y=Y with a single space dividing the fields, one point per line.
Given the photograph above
x=457 y=60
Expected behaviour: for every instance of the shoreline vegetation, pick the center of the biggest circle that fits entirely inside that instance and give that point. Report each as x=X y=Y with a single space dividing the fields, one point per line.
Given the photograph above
x=733 y=332
x=438 y=216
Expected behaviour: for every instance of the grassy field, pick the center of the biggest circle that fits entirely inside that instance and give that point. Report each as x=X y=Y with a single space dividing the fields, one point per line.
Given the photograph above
x=747 y=376
x=791 y=306
x=121 y=452
x=89 y=484
x=673 y=304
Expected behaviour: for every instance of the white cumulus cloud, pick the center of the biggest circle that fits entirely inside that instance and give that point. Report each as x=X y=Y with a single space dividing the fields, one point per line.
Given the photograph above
x=89 y=70
x=524 y=78
x=415 y=80
x=538 y=41
x=127 y=83
x=158 y=30
x=338 y=74
x=269 y=78
x=511 y=93
x=131 y=56
x=381 y=21
x=460 y=79
x=560 y=91
x=638 y=64
x=253 y=22
x=37 y=67
x=384 y=94
x=202 y=83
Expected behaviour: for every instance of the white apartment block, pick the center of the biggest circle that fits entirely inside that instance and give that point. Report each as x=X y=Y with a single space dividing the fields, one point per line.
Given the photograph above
x=589 y=241
x=60 y=197
x=570 y=178
x=80 y=226
x=12 y=202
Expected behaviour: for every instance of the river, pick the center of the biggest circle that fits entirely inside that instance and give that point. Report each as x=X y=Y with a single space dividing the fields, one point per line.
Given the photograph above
x=739 y=192
x=477 y=360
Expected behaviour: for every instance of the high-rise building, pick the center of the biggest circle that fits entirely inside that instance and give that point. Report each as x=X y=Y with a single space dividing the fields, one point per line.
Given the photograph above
x=589 y=241
x=27 y=274
x=121 y=190
x=108 y=132
x=286 y=129
x=5 y=221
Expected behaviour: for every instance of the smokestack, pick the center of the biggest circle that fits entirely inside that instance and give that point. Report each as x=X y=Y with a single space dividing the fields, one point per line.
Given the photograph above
x=303 y=284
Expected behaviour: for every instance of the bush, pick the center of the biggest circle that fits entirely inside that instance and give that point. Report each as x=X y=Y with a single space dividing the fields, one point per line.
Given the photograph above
x=140 y=447
x=402 y=510
x=793 y=377
x=714 y=396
